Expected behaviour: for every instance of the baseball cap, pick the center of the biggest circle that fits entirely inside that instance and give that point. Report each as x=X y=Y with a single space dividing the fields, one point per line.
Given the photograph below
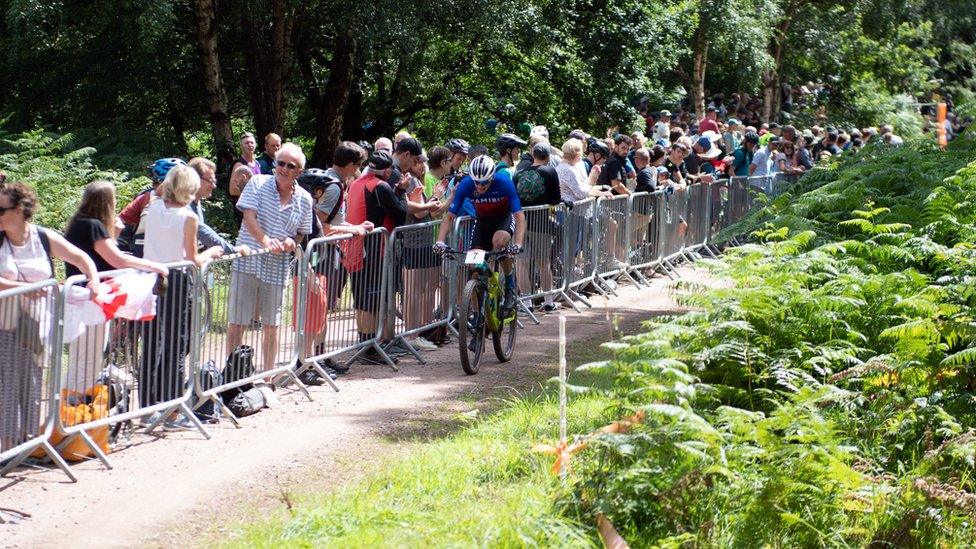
x=410 y=145
x=665 y=112
x=733 y=122
x=661 y=169
x=541 y=150
x=380 y=160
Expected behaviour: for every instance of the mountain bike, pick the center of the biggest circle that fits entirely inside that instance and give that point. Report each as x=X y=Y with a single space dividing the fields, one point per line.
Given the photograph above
x=479 y=310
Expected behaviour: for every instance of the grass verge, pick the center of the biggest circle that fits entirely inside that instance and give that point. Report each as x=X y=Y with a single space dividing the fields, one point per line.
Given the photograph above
x=479 y=486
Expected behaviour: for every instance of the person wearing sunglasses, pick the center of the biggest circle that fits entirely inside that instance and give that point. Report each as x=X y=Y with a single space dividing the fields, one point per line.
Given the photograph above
x=499 y=221
x=277 y=217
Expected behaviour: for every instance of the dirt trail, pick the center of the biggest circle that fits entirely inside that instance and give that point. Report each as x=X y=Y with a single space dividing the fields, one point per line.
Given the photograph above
x=177 y=489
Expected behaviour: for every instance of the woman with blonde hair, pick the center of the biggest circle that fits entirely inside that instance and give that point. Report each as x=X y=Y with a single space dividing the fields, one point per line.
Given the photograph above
x=171 y=236
x=92 y=229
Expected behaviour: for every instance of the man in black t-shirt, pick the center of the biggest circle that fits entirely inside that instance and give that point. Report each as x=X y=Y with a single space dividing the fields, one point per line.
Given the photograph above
x=646 y=174
x=614 y=172
x=538 y=185
x=675 y=164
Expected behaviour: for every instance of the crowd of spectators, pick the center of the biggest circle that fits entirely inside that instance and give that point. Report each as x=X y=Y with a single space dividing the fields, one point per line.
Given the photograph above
x=280 y=206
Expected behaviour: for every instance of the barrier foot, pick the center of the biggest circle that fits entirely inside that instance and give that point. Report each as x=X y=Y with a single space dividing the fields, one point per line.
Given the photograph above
x=563 y=297
x=224 y=410
x=328 y=379
x=604 y=288
x=385 y=357
x=51 y=453
x=575 y=296
x=669 y=270
x=528 y=311
x=640 y=276
x=708 y=250
x=410 y=348
x=188 y=414
x=452 y=329
x=291 y=377
x=631 y=278
x=91 y=446
x=162 y=417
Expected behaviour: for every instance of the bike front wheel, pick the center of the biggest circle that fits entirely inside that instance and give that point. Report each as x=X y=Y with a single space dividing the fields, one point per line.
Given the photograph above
x=503 y=340
x=471 y=326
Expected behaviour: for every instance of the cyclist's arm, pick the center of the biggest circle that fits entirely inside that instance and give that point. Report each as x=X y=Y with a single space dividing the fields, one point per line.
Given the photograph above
x=519 y=237
x=446 y=225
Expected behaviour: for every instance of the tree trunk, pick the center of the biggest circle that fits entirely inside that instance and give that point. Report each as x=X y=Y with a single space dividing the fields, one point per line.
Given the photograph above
x=213 y=84
x=268 y=59
x=332 y=108
x=771 y=77
x=698 y=69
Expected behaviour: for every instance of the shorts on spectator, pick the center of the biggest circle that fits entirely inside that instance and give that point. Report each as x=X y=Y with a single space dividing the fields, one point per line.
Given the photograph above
x=247 y=293
x=367 y=288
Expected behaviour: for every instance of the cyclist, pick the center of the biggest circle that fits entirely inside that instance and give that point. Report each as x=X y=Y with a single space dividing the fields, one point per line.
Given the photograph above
x=509 y=147
x=499 y=220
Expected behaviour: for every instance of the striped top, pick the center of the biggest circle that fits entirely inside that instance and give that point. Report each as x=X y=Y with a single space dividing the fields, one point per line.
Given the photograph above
x=277 y=220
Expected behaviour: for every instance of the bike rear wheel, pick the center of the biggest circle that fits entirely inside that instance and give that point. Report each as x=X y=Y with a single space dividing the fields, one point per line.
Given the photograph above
x=471 y=326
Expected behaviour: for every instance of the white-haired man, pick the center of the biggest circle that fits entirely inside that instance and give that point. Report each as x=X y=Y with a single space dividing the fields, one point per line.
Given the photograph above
x=277 y=217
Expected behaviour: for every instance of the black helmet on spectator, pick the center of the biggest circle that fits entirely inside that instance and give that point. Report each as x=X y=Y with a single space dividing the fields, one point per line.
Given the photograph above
x=458 y=145
x=751 y=137
x=597 y=146
x=315 y=178
x=366 y=145
x=508 y=141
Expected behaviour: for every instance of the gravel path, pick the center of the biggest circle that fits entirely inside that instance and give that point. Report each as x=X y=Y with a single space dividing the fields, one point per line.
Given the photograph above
x=177 y=489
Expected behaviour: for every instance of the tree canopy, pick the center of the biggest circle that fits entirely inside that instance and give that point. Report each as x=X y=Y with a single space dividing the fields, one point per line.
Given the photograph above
x=188 y=76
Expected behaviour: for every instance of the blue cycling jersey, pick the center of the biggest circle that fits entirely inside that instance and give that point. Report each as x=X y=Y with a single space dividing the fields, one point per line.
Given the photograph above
x=499 y=200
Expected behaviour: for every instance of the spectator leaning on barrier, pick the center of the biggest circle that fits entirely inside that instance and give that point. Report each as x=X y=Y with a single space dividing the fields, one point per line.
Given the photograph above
x=171 y=236
x=272 y=142
x=574 y=184
x=646 y=174
x=675 y=164
x=614 y=172
x=762 y=160
x=92 y=229
x=208 y=237
x=538 y=185
x=370 y=198
x=277 y=216
x=26 y=251
x=132 y=218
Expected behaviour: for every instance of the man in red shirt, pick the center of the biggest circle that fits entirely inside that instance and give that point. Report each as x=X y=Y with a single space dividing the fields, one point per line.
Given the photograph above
x=709 y=123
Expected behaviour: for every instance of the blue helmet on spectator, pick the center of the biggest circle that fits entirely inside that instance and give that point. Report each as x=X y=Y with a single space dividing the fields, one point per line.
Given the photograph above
x=161 y=167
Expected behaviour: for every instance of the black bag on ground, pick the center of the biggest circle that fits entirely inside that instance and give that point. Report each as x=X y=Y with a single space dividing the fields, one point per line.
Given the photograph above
x=240 y=365
x=210 y=377
x=247 y=403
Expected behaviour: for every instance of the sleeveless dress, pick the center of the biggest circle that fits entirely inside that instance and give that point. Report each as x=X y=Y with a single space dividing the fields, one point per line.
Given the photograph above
x=23 y=319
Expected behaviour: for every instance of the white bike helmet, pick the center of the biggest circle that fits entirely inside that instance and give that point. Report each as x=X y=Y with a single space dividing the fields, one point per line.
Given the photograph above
x=482 y=168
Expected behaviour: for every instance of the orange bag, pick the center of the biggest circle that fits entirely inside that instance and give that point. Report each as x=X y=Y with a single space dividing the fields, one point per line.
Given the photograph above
x=72 y=415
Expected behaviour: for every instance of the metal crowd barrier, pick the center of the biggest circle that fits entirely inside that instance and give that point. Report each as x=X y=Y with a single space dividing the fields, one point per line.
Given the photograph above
x=419 y=290
x=580 y=248
x=344 y=295
x=346 y=308
x=645 y=233
x=540 y=268
x=248 y=314
x=613 y=253
x=125 y=369
x=28 y=377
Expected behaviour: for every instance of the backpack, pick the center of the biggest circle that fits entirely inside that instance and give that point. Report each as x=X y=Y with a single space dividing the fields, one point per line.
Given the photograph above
x=247 y=403
x=210 y=377
x=240 y=365
x=530 y=186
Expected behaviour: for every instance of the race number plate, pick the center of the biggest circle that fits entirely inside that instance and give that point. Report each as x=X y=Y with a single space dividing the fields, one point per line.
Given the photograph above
x=475 y=257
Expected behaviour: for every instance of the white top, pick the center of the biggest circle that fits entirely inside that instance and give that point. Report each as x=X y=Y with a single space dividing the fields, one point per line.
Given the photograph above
x=164 y=232
x=573 y=182
x=26 y=263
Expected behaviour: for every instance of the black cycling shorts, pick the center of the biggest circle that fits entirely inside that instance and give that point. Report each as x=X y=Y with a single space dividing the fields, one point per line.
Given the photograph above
x=484 y=230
